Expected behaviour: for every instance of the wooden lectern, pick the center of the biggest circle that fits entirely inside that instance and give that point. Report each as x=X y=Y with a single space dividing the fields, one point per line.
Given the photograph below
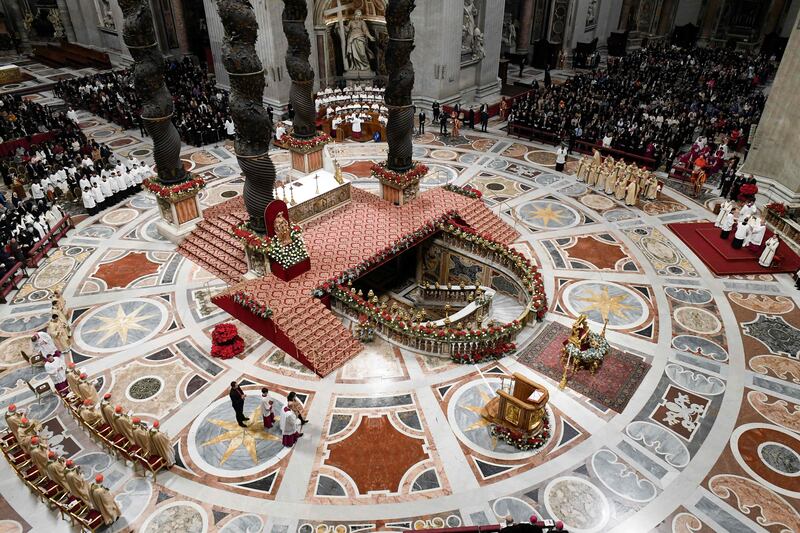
x=521 y=409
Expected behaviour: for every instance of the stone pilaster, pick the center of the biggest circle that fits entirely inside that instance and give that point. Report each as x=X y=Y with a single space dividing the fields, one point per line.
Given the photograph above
x=439 y=74
x=773 y=155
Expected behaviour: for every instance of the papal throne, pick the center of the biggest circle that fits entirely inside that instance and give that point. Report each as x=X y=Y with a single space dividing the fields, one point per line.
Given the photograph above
x=519 y=405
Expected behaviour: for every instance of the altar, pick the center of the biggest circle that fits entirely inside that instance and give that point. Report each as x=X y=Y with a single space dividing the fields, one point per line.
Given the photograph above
x=313 y=195
x=10 y=74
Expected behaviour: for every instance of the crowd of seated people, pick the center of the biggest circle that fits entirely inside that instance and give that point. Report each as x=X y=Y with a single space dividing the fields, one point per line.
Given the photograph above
x=653 y=101
x=201 y=109
x=20 y=118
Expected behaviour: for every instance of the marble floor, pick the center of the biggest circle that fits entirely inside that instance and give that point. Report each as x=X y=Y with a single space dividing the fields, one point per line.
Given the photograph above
x=708 y=441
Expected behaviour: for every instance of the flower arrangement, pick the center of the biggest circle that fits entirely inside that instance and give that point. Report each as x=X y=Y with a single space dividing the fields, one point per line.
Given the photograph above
x=748 y=191
x=491 y=353
x=519 y=440
x=597 y=352
x=226 y=342
x=174 y=193
x=289 y=254
x=306 y=145
x=285 y=255
x=466 y=190
x=489 y=335
x=777 y=208
x=399 y=179
x=258 y=309
x=250 y=239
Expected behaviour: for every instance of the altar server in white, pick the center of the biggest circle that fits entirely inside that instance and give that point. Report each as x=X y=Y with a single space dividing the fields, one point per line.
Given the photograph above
x=769 y=251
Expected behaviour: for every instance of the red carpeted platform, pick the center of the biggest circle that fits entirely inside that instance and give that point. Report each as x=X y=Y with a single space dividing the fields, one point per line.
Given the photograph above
x=719 y=255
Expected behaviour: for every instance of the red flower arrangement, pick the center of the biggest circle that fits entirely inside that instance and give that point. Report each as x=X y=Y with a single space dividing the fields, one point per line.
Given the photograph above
x=399 y=179
x=748 y=191
x=226 y=342
x=321 y=139
x=519 y=440
x=777 y=208
x=174 y=192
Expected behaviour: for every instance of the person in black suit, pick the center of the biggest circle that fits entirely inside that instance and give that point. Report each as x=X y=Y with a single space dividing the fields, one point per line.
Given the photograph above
x=237 y=401
x=471 y=118
x=443 y=123
x=436 y=111
x=484 y=119
x=422 y=118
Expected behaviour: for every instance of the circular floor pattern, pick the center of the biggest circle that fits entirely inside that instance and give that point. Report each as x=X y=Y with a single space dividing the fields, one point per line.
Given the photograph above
x=97 y=231
x=600 y=300
x=141 y=153
x=548 y=214
x=579 y=504
x=541 y=157
x=224 y=171
x=444 y=155
x=220 y=447
x=143 y=201
x=120 y=325
x=697 y=320
x=597 y=202
x=776 y=461
x=464 y=415
x=439 y=175
x=119 y=216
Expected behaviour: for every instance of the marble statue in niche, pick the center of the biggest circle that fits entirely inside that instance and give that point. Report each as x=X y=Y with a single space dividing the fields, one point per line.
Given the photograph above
x=105 y=14
x=468 y=27
x=478 y=51
x=358 y=38
x=509 y=32
x=591 y=15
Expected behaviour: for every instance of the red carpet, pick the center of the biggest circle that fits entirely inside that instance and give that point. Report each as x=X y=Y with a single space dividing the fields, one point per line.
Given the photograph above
x=611 y=386
x=703 y=239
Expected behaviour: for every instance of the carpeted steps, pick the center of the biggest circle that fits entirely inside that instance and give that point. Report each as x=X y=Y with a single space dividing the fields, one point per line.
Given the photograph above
x=213 y=246
x=319 y=335
x=485 y=222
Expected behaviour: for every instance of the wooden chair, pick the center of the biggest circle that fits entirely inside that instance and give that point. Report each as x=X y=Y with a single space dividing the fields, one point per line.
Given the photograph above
x=40 y=389
x=34 y=360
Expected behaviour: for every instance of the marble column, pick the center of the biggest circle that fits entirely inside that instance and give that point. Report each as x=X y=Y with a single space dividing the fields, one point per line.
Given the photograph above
x=488 y=82
x=667 y=17
x=710 y=19
x=17 y=15
x=772 y=17
x=525 y=25
x=438 y=74
x=271 y=48
x=774 y=157
x=180 y=26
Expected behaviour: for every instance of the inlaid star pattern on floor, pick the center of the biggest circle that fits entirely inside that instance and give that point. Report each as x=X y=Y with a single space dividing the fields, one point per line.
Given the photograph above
x=121 y=324
x=238 y=436
x=605 y=304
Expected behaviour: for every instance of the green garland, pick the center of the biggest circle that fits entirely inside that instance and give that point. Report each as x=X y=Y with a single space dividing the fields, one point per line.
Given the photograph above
x=597 y=352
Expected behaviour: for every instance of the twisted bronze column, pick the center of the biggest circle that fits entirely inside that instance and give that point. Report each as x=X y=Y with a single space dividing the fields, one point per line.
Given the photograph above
x=253 y=123
x=148 y=79
x=294 y=17
x=401 y=81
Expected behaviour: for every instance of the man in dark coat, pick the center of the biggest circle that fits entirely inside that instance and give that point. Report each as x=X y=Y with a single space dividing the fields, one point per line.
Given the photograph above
x=237 y=401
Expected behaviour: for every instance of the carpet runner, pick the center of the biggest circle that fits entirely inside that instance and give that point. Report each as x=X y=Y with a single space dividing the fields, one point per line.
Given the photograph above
x=612 y=385
x=703 y=239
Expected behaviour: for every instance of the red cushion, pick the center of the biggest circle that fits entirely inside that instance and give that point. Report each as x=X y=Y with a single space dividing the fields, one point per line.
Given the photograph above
x=93 y=519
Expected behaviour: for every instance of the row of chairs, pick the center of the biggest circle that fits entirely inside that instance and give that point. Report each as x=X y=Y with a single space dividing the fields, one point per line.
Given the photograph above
x=106 y=431
x=79 y=512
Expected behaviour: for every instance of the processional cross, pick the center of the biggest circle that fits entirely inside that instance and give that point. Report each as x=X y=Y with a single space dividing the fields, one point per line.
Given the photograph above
x=339 y=11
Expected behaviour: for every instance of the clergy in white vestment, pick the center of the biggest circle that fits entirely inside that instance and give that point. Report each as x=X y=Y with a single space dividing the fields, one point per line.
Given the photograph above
x=726 y=225
x=746 y=212
x=742 y=232
x=757 y=237
x=769 y=251
x=724 y=209
x=43 y=343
